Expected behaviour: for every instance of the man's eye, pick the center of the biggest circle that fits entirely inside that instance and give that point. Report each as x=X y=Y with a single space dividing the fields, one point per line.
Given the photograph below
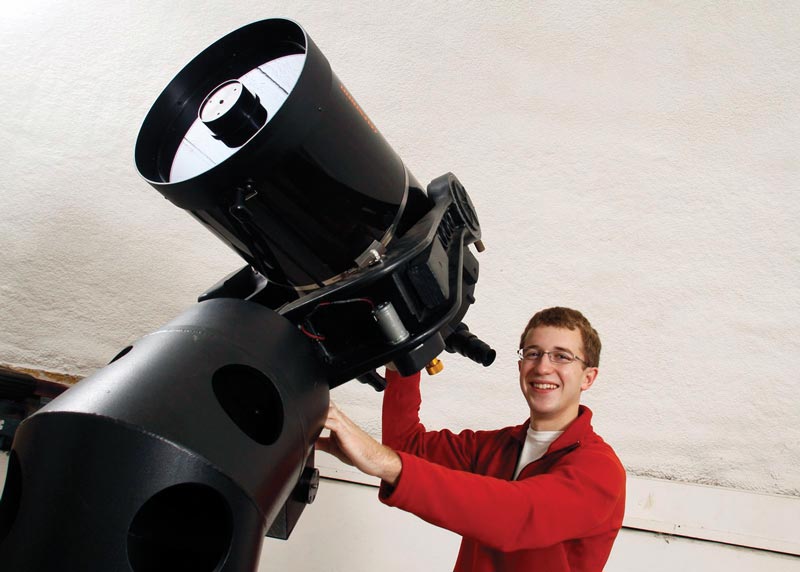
x=532 y=354
x=562 y=356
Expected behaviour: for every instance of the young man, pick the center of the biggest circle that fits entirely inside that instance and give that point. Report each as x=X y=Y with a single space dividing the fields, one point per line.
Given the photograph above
x=547 y=495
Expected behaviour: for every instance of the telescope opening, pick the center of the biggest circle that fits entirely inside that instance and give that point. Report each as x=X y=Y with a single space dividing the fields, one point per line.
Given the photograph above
x=183 y=527
x=251 y=400
x=121 y=354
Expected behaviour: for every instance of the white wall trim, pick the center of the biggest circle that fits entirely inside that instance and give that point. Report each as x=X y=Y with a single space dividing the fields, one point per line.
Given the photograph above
x=755 y=520
x=730 y=516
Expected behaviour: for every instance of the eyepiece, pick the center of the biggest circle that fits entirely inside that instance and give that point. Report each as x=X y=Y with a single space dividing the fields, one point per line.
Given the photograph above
x=469 y=345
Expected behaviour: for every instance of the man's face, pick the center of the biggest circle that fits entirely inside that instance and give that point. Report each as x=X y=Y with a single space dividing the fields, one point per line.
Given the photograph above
x=553 y=392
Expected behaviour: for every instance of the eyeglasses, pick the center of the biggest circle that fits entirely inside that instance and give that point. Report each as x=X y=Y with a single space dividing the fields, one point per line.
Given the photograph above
x=557 y=357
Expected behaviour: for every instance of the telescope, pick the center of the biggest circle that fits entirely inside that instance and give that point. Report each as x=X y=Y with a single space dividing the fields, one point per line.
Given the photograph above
x=198 y=439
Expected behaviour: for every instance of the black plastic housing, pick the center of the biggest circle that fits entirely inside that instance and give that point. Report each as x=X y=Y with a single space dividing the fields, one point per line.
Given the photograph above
x=179 y=453
x=428 y=274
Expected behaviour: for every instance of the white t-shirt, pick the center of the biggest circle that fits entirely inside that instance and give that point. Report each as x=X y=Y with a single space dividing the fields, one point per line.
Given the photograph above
x=536 y=444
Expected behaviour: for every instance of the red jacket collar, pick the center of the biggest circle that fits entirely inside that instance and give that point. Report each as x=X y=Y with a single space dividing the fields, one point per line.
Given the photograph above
x=574 y=433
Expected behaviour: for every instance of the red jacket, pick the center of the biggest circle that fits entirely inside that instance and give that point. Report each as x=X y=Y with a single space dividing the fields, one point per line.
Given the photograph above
x=563 y=512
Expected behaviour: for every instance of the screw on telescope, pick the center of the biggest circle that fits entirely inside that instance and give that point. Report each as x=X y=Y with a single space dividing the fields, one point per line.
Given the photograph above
x=239 y=209
x=307 y=487
x=434 y=367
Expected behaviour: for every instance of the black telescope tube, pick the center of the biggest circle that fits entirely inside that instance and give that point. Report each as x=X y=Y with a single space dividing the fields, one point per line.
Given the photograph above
x=320 y=183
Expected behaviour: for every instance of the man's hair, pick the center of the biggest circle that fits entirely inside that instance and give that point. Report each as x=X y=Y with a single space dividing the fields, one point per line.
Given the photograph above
x=572 y=320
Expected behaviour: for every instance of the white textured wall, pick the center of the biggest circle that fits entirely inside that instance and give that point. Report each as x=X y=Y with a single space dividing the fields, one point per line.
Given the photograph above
x=636 y=160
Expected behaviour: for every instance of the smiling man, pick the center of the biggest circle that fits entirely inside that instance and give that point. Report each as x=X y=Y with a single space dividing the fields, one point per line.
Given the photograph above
x=546 y=495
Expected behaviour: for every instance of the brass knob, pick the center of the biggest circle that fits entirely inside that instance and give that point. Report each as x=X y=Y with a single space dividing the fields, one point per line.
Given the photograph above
x=434 y=367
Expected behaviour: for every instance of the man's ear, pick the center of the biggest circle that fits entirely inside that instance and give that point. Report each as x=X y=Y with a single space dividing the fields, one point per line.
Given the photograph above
x=589 y=375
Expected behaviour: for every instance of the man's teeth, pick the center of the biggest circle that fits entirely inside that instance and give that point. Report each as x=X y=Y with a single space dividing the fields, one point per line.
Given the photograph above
x=545 y=386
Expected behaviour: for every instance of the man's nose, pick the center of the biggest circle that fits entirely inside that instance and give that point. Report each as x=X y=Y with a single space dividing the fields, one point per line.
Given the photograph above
x=543 y=364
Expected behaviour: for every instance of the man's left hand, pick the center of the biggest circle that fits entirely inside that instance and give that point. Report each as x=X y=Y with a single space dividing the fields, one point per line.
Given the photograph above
x=352 y=445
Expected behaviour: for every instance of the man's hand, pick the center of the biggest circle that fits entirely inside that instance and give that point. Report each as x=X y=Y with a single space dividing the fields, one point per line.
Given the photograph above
x=354 y=446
